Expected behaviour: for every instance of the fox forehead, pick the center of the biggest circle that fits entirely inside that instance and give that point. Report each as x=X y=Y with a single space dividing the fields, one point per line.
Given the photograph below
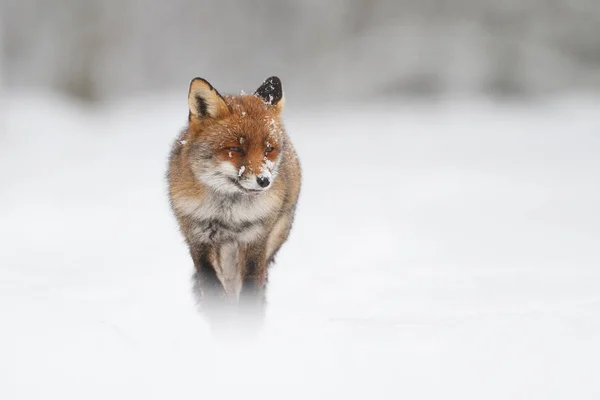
x=254 y=119
x=249 y=122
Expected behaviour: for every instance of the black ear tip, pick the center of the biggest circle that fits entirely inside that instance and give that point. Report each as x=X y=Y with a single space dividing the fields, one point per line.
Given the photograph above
x=273 y=79
x=270 y=91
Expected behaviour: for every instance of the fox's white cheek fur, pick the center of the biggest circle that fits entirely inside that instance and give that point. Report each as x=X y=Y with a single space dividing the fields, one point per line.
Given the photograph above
x=228 y=169
x=249 y=182
x=219 y=178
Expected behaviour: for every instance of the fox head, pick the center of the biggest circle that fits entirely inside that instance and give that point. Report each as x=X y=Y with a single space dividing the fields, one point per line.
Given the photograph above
x=235 y=143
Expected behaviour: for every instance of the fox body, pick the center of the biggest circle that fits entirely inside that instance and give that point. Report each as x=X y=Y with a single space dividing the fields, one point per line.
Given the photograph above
x=234 y=180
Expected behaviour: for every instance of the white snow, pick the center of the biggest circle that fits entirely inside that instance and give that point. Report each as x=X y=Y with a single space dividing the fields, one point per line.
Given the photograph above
x=268 y=163
x=241 y=171
x=265 y=172
x=439 y=252
x=274 y=129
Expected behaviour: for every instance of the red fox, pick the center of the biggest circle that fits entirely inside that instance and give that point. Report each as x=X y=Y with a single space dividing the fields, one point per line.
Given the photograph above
x=234 y=180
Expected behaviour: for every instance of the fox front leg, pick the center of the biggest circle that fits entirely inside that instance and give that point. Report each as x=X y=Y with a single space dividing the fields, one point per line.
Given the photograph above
x=254 y=283
x=208 y=289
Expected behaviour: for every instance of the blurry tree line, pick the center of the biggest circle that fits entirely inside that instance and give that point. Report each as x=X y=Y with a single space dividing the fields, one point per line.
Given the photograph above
x=101 y=49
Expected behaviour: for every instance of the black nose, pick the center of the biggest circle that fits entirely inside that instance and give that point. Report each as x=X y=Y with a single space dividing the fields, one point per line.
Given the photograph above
x=263 y=182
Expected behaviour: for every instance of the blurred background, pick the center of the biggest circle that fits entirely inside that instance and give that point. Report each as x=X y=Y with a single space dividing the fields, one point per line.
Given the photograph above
x=446 y=238
x=341 y=49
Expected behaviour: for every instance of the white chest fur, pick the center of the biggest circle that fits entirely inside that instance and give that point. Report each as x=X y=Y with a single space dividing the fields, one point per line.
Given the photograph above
x=227 y=222
x=237 y=218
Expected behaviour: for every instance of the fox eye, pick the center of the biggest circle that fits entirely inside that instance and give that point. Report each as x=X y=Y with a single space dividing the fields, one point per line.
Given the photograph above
x=270 y=149
x=235 y=148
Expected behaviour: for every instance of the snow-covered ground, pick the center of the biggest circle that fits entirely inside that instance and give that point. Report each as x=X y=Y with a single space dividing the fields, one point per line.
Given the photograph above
x=446 y=251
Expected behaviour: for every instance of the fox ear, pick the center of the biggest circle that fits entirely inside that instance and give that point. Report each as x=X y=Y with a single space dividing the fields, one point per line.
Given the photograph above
x=271 y=92
x=205 y=101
